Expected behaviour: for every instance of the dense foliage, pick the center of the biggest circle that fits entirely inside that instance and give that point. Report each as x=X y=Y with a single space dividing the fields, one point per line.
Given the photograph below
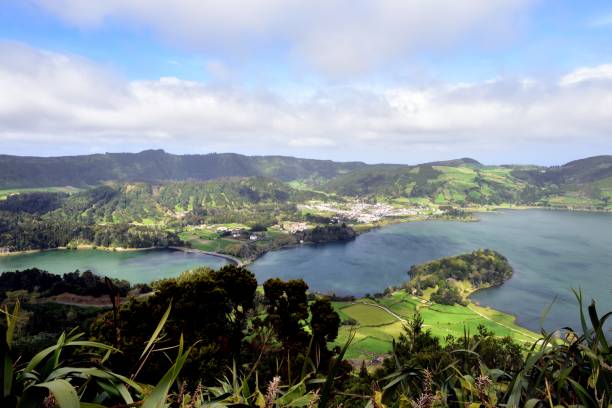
x=481 y=268
x=486 y=371
x=141 y=215
x=278 y=341
x=585 y=183
x=33 y=203
x=156 y=166
x=47 y=284
x=220 y=313
x=56 y=229
x=447 y=294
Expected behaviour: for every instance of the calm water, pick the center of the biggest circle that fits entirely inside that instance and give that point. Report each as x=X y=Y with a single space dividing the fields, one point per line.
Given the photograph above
x=551 y=252
x=140 y=266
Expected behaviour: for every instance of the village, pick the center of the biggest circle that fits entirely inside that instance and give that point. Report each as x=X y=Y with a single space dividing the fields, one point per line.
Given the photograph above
x=364 y=212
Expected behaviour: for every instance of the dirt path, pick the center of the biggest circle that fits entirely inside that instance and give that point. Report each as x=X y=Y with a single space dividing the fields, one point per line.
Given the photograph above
x=401 y=319
x=391 y=312
x=501 y=324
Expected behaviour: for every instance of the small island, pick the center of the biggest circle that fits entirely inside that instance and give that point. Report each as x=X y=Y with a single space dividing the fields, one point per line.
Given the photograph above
x=452 y=279
x=439 y=292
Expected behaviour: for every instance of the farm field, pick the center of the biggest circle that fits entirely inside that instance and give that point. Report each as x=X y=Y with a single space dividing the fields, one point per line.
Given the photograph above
x=204 y=243
x=379 y=321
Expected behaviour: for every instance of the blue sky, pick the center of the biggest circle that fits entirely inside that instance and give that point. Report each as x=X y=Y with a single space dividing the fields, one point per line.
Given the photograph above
x=395 y=81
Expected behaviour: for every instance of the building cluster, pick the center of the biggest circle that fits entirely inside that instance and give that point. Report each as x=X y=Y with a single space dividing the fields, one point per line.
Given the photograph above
x=239 y=233
x=363 y=212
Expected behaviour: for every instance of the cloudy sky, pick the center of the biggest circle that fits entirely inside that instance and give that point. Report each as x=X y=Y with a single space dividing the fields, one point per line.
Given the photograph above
x=405 y=81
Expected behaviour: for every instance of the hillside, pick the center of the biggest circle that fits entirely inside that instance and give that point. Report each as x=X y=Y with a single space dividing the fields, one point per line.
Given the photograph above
x=580 y=183
x=439 y=183
x=157 y=165
x=585 y=183
x=142 y=214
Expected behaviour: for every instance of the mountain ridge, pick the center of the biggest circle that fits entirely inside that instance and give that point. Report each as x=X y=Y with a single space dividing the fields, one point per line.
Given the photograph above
x=584 y=182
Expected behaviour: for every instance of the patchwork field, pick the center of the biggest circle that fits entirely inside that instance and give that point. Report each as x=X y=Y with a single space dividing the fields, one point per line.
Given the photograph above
x=378 y=321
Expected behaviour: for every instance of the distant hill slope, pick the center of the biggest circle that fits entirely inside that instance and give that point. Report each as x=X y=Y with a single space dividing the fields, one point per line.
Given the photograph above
x=157 y=165
x=585 y=183
x=457 y=181
x=581 y=171
x=464 y=161
x=141 y=214
x=138 y=201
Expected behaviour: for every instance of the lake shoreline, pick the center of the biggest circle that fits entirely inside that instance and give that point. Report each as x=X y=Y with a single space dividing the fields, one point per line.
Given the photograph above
x=231 y=259
x=79 y=248
x=359 y=229
x=525 y=237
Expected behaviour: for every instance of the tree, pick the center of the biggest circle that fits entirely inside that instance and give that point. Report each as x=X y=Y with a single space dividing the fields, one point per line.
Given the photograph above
x=207 y=310
x=287 y=307
x=324 y=322
x=239 y=285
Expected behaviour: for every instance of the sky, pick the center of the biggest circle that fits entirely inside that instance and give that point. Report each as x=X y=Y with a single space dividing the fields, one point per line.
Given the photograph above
x=396 y=81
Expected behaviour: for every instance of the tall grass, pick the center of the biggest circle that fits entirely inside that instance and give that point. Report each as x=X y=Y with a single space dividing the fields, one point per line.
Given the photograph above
x=565 y=368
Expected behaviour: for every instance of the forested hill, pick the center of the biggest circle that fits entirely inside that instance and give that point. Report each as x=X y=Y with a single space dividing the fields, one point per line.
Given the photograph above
x=157 y=165
x=585 y=183
x=577 y=172
x=140 y=215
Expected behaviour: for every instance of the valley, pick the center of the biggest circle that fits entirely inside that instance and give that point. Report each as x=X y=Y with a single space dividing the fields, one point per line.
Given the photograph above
x=384 y=246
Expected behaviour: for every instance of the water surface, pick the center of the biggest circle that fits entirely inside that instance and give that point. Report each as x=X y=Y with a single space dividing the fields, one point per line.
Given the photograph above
x=551 y=252
x=134 y=266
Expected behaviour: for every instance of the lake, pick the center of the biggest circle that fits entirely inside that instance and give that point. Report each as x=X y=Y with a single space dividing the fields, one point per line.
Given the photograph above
x=551 y=252
x=134 y=266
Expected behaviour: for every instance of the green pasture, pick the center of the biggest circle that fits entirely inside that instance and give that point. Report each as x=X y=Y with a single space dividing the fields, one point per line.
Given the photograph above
x=380 y=321
x=210 y=245
x=368 y=315
x=570 y=199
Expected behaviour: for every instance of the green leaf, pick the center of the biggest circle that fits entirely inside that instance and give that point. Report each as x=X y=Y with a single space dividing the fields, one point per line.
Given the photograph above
x=39 y=357
x=532 y=403
x=11 y=323
x=327 y=388
x=157 y=397
x=295 y=392
x=64 y=393
x=93 y=344
x=158 y=330
x=302 y=401
x=7 y=374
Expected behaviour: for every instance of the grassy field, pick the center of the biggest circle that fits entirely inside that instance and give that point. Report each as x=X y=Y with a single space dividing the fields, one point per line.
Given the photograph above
x=573 y=199
x=205 y=240
x=379 y=321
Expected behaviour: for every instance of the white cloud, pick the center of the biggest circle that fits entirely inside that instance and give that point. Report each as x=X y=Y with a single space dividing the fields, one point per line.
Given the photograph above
x=61 y=102
x=587 y=74
x=335 y=36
